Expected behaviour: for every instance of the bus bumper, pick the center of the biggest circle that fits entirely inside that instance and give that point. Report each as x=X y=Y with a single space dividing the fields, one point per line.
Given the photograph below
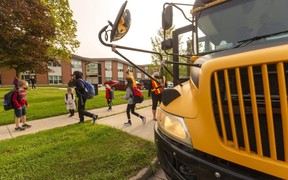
x=181 y=162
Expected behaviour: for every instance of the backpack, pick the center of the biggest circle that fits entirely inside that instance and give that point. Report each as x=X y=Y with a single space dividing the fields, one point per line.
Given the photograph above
x=89 y=92
x=111 y=94
x=137 y=95
x=66 y=96
x=8 y=103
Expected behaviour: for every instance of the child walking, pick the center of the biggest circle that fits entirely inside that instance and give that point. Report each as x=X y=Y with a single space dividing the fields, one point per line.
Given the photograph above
x=20 y=103
x=109 y=96
x=131 y=104
x=70 y=101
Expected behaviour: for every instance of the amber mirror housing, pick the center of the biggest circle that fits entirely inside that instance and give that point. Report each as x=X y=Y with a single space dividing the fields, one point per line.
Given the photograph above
x=121 y=24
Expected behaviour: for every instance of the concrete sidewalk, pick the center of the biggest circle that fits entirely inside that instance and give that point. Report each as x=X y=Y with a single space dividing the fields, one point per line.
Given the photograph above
x=114 y=118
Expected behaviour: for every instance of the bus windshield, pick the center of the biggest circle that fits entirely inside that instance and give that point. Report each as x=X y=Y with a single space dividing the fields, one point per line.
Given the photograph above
x=225 y=25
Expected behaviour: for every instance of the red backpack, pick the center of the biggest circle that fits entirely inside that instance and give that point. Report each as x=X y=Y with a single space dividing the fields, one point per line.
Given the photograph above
x=137 y=95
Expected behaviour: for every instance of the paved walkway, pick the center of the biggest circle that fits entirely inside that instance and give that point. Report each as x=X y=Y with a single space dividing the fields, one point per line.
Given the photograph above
x=114 y=118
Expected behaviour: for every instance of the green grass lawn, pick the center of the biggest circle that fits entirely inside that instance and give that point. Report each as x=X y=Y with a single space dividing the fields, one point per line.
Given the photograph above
x=76 y=151
x=49 y=101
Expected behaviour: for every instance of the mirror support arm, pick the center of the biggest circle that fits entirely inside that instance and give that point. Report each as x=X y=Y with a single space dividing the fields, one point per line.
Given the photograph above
x=113 y=46
x=114 y=49
x=117 y=52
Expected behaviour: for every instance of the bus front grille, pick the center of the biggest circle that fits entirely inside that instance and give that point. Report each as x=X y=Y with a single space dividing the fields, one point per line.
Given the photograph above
x=251 y=110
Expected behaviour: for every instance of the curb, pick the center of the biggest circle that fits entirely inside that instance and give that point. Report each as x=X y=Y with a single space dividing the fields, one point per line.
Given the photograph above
x=146 y=172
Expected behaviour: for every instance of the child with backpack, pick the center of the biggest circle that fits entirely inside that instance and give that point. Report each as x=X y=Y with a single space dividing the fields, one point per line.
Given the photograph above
x=80 y=92
x=109 y=96
x=20 y=103
x=131 y=104
x=70 y=101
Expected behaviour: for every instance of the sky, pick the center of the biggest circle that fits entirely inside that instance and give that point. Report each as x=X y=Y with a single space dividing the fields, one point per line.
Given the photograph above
x=93 y=15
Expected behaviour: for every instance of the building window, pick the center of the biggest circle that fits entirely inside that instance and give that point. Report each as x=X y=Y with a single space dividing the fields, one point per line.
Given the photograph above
x=77 y=65
x=55 y=79
x=120 y=71
x=108 y=70
x=108 y=66
x=27 y=74
x=130 y=69
x=108 y=78
x=53 y=64
x=26 y=77
x=120 y=67
x=91 y=69
x=139 y=74
x=146 y=69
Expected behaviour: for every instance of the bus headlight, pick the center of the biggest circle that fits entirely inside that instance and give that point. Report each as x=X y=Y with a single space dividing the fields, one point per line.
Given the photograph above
x=173 y=126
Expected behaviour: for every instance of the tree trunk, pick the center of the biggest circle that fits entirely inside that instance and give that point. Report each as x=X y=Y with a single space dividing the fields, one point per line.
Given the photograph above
x=18 y=73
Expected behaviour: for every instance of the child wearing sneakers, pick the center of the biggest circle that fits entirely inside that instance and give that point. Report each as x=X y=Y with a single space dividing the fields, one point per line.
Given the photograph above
x=20 y=103
x=70 y=101
x=131 y=104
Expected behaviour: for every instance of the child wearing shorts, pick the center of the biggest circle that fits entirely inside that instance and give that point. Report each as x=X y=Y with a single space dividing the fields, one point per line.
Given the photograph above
x=20 y=103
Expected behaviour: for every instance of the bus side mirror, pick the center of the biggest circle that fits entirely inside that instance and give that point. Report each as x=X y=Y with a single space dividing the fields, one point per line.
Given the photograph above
x=167 y=44
x=167 y=17
x=121 y=24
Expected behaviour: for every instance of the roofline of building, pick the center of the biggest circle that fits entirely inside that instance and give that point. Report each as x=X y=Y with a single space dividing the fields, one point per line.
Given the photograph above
x=105 y=59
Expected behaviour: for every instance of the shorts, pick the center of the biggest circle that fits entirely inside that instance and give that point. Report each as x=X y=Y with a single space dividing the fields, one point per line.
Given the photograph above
x=20 y=112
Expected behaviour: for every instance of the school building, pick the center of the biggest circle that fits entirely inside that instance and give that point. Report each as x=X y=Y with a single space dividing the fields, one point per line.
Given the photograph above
x=95 y=70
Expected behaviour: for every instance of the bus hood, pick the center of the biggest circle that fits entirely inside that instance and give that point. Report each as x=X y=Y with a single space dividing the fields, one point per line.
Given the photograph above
x=181 y=100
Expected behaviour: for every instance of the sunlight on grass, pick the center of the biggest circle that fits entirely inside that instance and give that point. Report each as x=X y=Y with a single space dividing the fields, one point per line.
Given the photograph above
x=75 y=152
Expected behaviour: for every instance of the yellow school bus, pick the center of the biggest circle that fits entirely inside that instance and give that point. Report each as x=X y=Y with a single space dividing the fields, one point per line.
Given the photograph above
x=229 y=120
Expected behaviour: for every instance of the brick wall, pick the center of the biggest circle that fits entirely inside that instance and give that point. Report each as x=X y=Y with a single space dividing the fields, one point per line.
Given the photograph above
x=66 y=72
x=103 y=71
x=7 y=76
x=42 y=79
x=114 y=70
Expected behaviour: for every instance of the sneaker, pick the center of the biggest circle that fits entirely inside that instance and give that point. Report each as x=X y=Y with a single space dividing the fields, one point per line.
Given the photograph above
x=19 y=128
x=26 y=125
x=95 y=117
x=128 y=123
x=143 y=120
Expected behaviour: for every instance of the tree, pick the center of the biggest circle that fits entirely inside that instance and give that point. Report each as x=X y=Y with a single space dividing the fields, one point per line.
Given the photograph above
x=156 y=43
x=31 y=34
x=65 y=42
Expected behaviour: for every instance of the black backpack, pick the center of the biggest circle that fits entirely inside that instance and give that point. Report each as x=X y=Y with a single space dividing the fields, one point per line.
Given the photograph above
x=111 y=94
x=66 y=96
x=8 y=103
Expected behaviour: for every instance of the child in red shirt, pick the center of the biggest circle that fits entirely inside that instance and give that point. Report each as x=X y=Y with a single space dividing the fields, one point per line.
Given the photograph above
x=109 y=96
x=20 y=103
